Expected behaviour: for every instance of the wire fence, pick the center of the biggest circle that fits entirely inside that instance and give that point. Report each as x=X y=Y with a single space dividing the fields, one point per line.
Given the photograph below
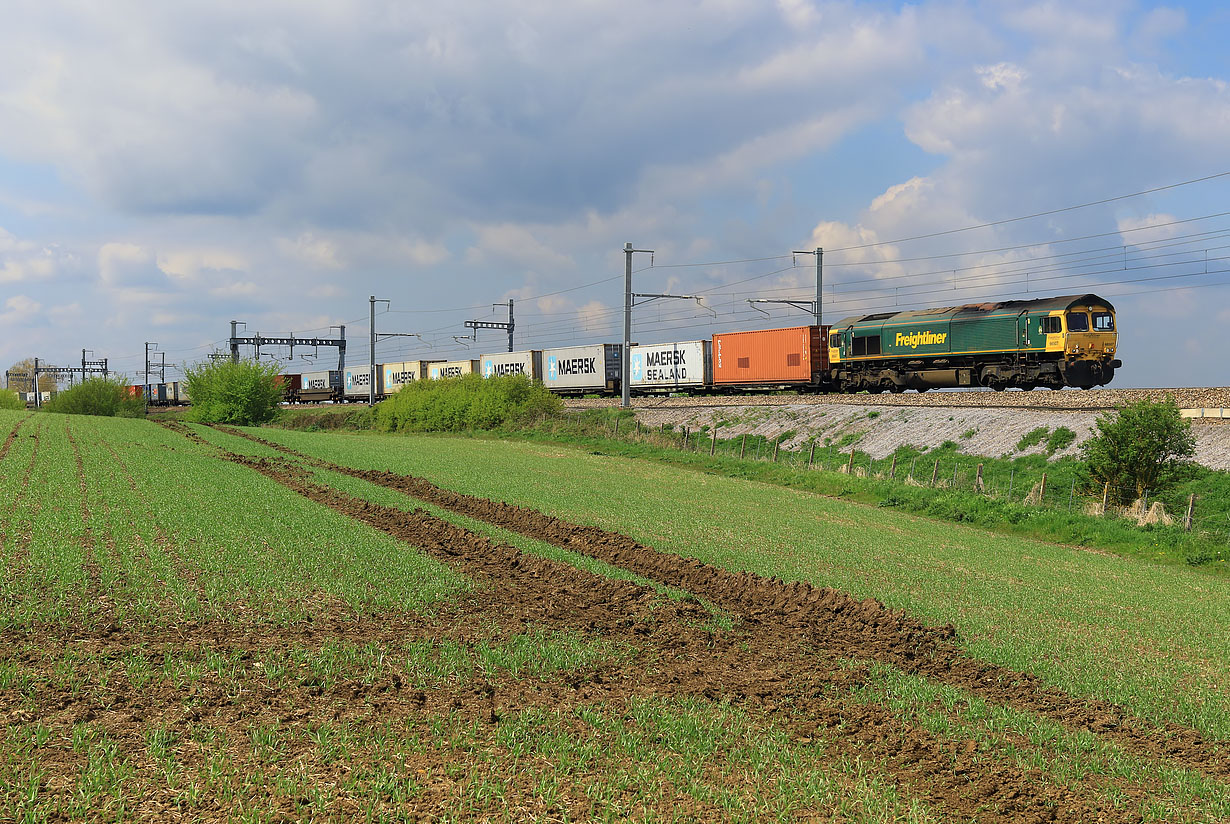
x=1057 y=489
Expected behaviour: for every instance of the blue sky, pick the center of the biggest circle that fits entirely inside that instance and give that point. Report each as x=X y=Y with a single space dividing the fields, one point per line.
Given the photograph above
x=168 y=168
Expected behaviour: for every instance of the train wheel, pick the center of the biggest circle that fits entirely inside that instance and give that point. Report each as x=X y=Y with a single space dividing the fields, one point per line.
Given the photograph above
x=1029 y=387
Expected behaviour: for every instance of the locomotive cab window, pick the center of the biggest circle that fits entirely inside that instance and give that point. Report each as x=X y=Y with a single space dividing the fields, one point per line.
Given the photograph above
x=867 y=345
x=1078 y=322
x=1049 y=325
x=1103 y=322
x=835 y=340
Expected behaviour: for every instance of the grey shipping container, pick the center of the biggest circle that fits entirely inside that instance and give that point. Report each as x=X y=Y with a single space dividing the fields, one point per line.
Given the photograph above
x=593 y=368
x=319 y=386
x=528 y=363
x=357 y=379
x=671 y=365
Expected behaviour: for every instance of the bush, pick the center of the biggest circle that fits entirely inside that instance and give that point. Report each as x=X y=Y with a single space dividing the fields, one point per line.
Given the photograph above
x=466 y=403
x=242 y=393
x=1144 y=445
x=1061 y=438
x=11 y=400
x=98 y=396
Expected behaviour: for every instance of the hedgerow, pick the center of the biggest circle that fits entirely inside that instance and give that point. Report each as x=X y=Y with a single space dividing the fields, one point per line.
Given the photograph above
x=108 y=397
x=464 y=404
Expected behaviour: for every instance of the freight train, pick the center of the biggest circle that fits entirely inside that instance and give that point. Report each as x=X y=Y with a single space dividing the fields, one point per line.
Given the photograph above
x=1027 y=344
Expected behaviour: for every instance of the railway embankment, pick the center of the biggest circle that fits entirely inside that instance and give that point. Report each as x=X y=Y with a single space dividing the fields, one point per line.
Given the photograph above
x=980 y=423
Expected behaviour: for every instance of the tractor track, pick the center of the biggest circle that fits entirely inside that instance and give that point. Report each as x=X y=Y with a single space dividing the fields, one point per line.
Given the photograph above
x=764 y=664
x=833 y=621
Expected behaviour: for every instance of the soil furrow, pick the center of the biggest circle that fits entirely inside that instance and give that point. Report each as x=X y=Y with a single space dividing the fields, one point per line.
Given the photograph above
x=834 y=621
x=12 y=436
x=776 y=676
x=16 y=564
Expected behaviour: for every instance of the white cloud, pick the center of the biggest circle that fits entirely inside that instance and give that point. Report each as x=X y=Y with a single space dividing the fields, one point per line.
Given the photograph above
x=20 y=309
x=190 y=263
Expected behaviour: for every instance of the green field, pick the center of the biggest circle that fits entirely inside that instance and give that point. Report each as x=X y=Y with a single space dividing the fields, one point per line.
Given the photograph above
x=201 y=628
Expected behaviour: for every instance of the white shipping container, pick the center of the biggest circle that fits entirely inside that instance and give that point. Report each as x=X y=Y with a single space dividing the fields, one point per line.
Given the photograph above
x=670 y=365
x=319 y=381
x=356 y=381
x=594 y=367
x=528 y=363
x=397 y=375
x=452 y=369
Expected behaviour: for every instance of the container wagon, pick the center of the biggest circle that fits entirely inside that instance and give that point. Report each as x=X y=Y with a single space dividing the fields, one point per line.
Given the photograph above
x=528 y=363
x=579 y=370
x=356 y=381
x=772 y=359
x=452 y=369
x=666 y=367
x=397 y=375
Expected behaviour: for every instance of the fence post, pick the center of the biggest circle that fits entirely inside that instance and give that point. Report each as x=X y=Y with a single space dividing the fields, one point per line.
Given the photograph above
x=713 y=445
x=1105 y=496
x=1011 y=479
x=935 y=473
x=892 y=472
x=685 y=437
x=913 y=464
x=776 y=444
x=954 y=474
x=978 y=479
x=1042 y=491
x=1187 y=522
x=811 y=456
x=743 y=446
x=638 y=427
x=850 y=466
x=1071 y=492
x=617 y=428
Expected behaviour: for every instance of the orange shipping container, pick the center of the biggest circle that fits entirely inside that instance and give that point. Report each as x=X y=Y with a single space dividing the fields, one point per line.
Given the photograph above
x=770 y=356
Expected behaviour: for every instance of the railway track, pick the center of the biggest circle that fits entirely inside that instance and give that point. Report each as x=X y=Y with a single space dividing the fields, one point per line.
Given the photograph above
x=1095 y=400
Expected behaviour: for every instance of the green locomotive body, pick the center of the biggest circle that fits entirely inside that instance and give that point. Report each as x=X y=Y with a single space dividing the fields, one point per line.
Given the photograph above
x=1053 y=342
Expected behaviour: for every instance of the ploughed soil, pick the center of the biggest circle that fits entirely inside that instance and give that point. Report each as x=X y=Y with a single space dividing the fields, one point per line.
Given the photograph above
x=835 y=622
x=787 y=662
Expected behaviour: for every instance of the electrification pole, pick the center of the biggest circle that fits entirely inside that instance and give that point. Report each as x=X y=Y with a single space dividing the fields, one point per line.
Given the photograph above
x=371 y=351
x=371 y=354
x=819 y=253
x=625 y=389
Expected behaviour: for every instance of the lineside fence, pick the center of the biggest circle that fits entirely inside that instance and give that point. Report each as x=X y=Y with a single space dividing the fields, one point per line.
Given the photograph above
x=1054 y=489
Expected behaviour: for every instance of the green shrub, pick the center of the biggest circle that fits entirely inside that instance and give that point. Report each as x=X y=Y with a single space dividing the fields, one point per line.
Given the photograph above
x=98 y=396
x=11 y=400
x=1032 y=438
x=467 y=403
x=1061 y=438
x=243 y=393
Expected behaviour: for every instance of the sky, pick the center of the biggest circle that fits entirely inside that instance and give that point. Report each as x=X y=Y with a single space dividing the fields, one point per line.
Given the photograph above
x=166 y=168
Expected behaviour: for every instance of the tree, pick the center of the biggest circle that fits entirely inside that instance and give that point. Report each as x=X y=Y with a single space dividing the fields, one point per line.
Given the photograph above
x=20 y=377
x=240 y=393
x=1142 y=446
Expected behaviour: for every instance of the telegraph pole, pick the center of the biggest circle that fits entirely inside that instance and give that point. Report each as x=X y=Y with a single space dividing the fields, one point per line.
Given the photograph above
x=625 y=389
x=819 y=253
x=38 y=396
